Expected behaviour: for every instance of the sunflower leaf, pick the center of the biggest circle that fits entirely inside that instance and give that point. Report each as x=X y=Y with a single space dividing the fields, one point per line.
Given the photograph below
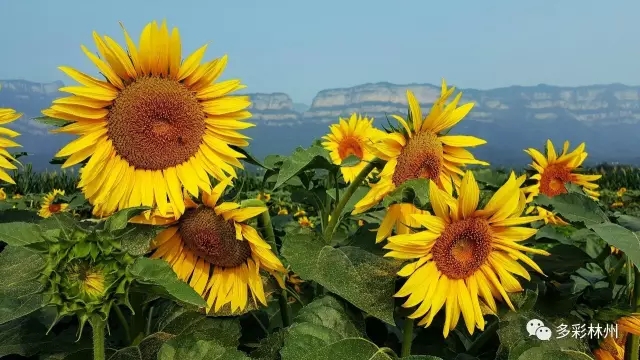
x=620 y=237
x=350 y=161
x=250 y=159
x=20 y=233
x=47 y=120
x=20 y=287
x=198 y=347
x=159 y=273
x=630 y=222
x=574 y=207
x=319 y=325
x=119 y=220
x=315 y=157
x=362 y=278
x=414 y=191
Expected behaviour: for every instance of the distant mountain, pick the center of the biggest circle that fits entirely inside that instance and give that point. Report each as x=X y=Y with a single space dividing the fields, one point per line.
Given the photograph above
x=299 y=107
x=606 y=117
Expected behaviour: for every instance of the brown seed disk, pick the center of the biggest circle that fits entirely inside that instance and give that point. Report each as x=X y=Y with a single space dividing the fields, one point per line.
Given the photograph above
x=553 y=179
x=156 y=123
x=462 y=248
x=350 y=146
x=421 y=158
x=54 y=208
x=212 y=238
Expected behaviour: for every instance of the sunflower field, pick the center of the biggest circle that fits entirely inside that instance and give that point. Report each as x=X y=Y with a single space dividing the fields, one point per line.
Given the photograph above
x=162 y=237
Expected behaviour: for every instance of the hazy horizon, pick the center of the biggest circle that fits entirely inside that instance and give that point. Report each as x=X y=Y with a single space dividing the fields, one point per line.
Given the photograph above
x=279 y=47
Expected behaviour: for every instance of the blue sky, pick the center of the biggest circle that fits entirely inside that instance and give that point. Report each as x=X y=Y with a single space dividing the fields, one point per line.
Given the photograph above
x=301 y=47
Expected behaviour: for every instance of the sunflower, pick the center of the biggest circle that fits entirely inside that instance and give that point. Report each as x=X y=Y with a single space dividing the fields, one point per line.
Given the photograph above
x=421 y=151
x=16 y=196
x=300 y=212
x=283 y=211
x=7 y=116
x=621 y=191
x=400 y=217
x=611 y=348
x=353 y=137
x=155 y=125
x=213 y=249
x=305 y=222
x=549 y=217
x=3 y=195
x=554 y=172
x=361 y=223
x=50 y=205
x=617 y=204
x=630 y=324
x=264 y=196
x=466 y=257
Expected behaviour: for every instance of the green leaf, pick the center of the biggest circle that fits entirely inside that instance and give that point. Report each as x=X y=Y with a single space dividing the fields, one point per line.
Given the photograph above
x=24 y=336
x=352 y=349
x=147 y=349
x=543 y=353
x=138 y=239
x=20 y=233
x=47 y=120
x=20 y=287
x=490 y=177
x=575 y=208
x=362 y=278
x=417 y=190
x=620 y=237
x=315 y=157
x=350 y=161
x=119 y=220
x=564 y=259
x=322 y=322
x=159 y=273
x=269 y=347
x=198 y=347
x=551 y=232
x=249 y=158
x=630 y=222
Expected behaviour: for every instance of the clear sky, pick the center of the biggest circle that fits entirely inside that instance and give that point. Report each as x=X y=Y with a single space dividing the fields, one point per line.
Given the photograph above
x=301 y=47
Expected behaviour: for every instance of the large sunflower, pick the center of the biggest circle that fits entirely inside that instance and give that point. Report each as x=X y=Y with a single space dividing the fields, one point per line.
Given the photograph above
x=613 y=345
x=554 y=172
x=155 y=125
x=353 y=137
x=466 y=256
x=421 y=150
x=7 y=116
x=213 y=249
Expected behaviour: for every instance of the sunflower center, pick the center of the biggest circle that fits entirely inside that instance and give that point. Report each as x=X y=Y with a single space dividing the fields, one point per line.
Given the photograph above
x=156 y=123
x=350 y=146
x=421 y=158
x=212 y=238
x=462 y=248
x=553 y=179
x=54 y=208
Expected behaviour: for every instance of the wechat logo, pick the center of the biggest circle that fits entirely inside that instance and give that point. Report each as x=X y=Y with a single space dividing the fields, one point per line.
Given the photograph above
x=536 y=328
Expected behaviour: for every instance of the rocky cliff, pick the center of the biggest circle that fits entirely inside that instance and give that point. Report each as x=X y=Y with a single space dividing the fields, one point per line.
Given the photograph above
x=605 y=116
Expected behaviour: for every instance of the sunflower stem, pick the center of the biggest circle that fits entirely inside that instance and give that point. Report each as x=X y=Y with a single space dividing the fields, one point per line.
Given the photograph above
x=351 y=189
x=407 y=337
x=285 y=311
x=632 y=347
x=98 y=325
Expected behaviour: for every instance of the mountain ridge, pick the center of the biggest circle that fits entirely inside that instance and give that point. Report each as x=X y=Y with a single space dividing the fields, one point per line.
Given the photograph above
x=605 y=116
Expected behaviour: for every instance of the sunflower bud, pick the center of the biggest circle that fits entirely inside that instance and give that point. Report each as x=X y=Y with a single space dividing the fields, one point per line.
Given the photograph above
x=85 y=275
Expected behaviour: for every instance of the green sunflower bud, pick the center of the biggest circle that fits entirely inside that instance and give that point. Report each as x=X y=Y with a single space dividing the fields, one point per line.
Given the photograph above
x=85 y=275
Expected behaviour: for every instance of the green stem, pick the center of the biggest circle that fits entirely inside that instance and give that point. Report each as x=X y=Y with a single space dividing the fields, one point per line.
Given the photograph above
x=632 y=347
x=615 y=273
x=98 y=326
x=407 y=338
x=351 y=189
x=285 y=311
x=124 y=323
x=147 y=330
